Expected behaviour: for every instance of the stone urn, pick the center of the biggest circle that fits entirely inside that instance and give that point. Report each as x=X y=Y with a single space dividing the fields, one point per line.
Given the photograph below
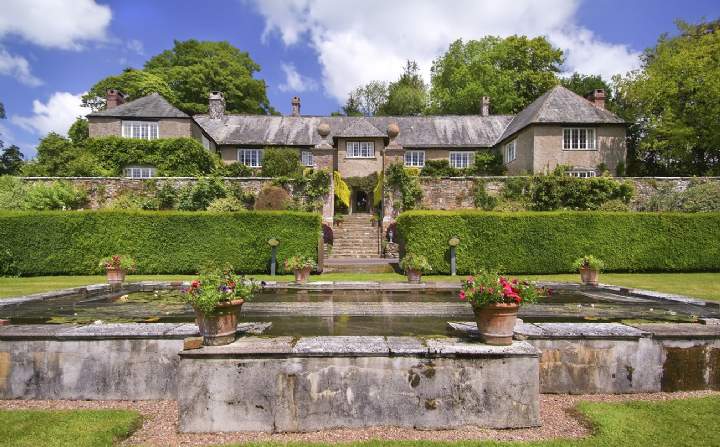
x=115 y=276
x=220 y=326
x=496 y=322
x=589 y=277
x=302 y=275
x=414 y=276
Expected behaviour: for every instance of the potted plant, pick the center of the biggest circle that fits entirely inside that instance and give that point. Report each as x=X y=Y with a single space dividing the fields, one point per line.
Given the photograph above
x=374 y=219
x=589 y=267
x=217 y=296
x=414 y=266
x=301 y=266
x=338 y=220
x=116 y=266
x=495 y=301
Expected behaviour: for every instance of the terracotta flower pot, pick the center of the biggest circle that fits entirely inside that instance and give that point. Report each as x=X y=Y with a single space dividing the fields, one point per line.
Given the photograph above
x=220 y=326
x=496 y=322
x=302 y=275
x=115 y=276
x=589 y=277
x=414 y=276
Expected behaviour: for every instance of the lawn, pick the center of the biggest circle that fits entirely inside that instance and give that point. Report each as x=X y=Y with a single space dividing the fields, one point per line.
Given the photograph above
x=698 y=285
x=79 y=428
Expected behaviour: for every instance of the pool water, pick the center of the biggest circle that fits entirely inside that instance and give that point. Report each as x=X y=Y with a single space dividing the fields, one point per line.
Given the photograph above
x=301 y=312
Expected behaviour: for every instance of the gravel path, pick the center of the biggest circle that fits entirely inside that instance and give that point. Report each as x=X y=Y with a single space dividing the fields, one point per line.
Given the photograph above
x=160 y=423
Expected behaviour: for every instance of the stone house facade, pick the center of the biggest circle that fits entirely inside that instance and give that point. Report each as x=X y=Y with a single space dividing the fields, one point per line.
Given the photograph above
x=560 y=127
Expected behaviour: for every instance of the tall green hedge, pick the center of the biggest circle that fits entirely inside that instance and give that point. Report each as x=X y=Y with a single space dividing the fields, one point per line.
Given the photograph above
x=72 y=243
x=548 y=242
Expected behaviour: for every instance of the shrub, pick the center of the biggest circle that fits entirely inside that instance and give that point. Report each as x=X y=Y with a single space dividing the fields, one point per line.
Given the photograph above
x=281 y=162
x=408 y=185
x=131 y=200
x=418 y=263
x=58 y=195
x=515 y=188
x=70 y=243
x=166 y=197
x=588 y=262
x=234 y=170
x=8 y=266
x=197 y=197
x=299 y=262
x=218 y=285
x=272 y=198
x=614 y=205
x=487 y=163
x=702 y=197
x=554 y=192
x=548 y=242
x=226 y=205
x=439 y=168
x=481 y=198
x=327 y=234
x=12 y=193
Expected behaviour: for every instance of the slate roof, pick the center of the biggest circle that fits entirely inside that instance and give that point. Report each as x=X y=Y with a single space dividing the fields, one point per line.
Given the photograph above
x=150 y=106
x=562 y=106
x=415 y=131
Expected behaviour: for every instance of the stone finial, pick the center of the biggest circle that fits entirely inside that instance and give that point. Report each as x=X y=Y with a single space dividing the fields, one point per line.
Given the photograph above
x=393 y=130
x=323 y=129
x=216 y=105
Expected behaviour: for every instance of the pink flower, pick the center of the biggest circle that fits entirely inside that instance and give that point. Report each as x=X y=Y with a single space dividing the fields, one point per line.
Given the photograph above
x=462 y=295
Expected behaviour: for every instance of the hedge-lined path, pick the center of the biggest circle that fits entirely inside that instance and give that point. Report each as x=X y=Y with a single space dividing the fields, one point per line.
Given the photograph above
x=560 y=420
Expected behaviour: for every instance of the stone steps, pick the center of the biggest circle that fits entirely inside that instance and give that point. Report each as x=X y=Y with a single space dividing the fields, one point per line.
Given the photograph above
x=355 y=238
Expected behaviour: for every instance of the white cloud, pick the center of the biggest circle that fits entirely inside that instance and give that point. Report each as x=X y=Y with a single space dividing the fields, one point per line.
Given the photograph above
x=357 y=44
x=65 y=24
x=294 y=81
x=57 y=115
x=135 y=46
x=17 y=67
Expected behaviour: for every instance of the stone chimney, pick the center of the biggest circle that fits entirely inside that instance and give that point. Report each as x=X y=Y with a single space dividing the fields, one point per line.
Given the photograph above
x=485 y=106
x=295 y=106
x=597 y=97
x=216 y=105
x=114 y=98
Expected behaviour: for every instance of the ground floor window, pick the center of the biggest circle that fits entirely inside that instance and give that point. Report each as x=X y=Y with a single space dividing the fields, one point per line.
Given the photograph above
x=250 y=157
x=582 y=174
x=461 y=160
x=510 y=151
x=143 y=130
x=578 y=138
x=415 y=159
x=139 y=171
x=307 y=158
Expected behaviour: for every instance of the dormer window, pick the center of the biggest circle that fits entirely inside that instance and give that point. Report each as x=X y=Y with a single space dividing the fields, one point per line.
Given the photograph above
x=360 y=149
x=577 y=138
x=143 y=130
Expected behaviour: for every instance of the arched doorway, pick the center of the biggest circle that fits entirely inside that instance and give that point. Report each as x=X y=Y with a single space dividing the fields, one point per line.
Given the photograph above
x=361 y=202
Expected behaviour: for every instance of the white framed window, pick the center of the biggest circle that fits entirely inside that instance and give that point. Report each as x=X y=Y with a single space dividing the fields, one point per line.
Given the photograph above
x=205 y=142
x=582 y=174
x=139 y=171
x=510 y=151
x=250 y=157
x=306 y=157
x=461 y=160
x=579 y=138
x=360 y=149
x=144 y=130
x=415 y=159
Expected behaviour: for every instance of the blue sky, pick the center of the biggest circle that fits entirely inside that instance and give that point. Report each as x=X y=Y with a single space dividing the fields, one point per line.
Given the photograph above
x=51 y=51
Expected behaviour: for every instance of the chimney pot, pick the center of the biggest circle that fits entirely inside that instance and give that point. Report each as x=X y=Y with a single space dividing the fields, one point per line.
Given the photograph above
x=295 y=106
x=114 y=98
x=597 y=97
x=216 y=105
x=485 y=106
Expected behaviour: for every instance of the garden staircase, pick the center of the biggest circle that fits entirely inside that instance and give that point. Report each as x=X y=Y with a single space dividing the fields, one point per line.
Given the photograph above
x=356 y=237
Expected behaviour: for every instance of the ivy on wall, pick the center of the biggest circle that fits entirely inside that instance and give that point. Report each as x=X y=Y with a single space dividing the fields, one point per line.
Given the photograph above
x=399 y=178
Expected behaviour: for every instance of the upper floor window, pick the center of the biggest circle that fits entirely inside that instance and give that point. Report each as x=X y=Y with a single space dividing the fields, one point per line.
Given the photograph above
x=582 y=174
x=139 y=171
x=360 y=149
x=415 y=159
x=144 y=130
x=510 y=151
x=579 y=138
x=461 y=160
x=250 y=157
x=306 y=157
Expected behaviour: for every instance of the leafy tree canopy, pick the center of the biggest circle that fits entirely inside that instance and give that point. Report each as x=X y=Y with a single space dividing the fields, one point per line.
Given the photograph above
x=281 y=162
x=131 y=82
x=512 y=71
x=79 y=131
x=406 y=96
x=367 y=99
x=674 y=102
x=583 y=84
x=11 y=160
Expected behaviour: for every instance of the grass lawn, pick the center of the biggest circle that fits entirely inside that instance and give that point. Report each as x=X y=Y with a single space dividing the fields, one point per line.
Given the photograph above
x=80 y=428
x=699 y=285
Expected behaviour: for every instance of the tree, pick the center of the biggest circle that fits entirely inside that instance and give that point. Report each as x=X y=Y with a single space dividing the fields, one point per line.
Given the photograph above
x=281 y=162
x=11 y=160
x=674 y=101
x=513 y=72
x=406 y=96
x=131 y=82
x=583 y=84
x=79 y=131
x=2 y=110
x=367 y=99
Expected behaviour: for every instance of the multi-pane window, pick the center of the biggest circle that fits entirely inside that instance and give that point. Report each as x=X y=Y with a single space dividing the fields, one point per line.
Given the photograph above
x=579 y=138
x=582 y=174
x=415 y=159
x=360 y=149
x=307 y=158
x=139 y=172
x=510 y=151
x=144 y=130
x=250 y=157
x=461 y=160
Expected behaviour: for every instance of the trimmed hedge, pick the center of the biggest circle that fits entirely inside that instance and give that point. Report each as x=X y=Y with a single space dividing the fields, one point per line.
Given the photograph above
x=71 y=243
x=548 y=242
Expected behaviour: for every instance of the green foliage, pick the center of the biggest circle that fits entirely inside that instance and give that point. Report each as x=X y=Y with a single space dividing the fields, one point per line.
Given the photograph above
x=11 y=160
x=58 y=195
x=554 y=192
x=281 y=162
x=674 y=101
x=58 y=156
x=439 y=168
x=481 y=198
x=588 y=262
x=226 y=205
x=513 y=71
x=701 y=197
x=166 y=197
x=406 y=96
x=12 y=193
x=584 y=84
x=487 y=163
x=272 y=198
x=397 y=177
x=614 y=205
x=342 y=190
x=56 y=243
x=198 y=196
x=314 y=185
x=133 y=84
x=515 y=188
x=79 y=131
x=418 y=263
x=216 y=285
x=234 y=170
x=366 y=100
x=548 y=242
x=299 y=262
x=8 y=266
x=123 y=262
x=131 y=200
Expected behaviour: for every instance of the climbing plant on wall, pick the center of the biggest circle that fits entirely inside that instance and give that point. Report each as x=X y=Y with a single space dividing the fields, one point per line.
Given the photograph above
x=342 y=191
x=408 y=185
